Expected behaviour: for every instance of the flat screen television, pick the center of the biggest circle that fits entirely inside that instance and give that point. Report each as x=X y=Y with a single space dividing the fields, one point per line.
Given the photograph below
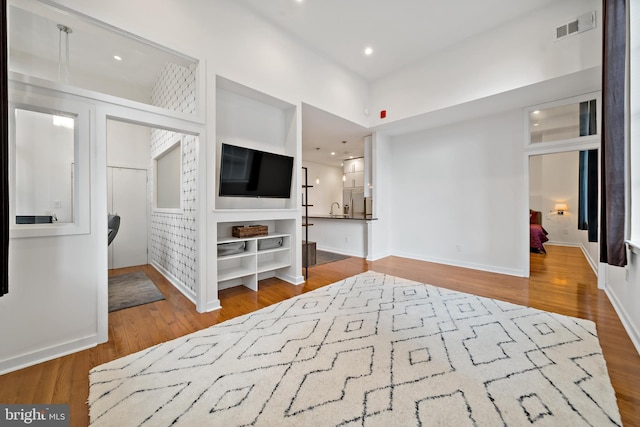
x=245 y=172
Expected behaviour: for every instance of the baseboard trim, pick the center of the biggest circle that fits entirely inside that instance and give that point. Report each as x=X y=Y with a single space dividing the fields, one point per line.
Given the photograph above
x=341 y=251
x=633 y=333
x=376 y=257
x=593 y=265
x=43 y=355
x=176 y=283
x=469 y=265
x=211 y=306
x=294 y=280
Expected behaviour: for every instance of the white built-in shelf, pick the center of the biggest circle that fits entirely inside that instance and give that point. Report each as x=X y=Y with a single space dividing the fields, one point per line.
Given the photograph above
x=256 y=255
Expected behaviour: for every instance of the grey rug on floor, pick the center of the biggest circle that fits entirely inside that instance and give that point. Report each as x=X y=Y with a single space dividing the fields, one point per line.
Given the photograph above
x=323 y=257
x=130 y=290
x=370 y=350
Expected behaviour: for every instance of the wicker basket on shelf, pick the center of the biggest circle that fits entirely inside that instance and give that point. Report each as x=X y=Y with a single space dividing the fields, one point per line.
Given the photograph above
x=249 y=230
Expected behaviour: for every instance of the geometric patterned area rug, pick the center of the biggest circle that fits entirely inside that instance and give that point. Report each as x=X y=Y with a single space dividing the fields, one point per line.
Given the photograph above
x=131 y=289
x=371 y=350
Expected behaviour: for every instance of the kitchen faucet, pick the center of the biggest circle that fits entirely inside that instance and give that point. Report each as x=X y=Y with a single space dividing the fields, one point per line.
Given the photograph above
x=334 y=203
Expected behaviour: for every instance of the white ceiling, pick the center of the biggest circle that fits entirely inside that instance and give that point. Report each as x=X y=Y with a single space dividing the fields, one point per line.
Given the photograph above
x=401 y=32
x=324 y=133
x=37 y=44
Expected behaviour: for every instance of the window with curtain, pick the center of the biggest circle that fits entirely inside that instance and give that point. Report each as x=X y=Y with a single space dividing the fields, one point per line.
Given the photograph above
x=588 y=193
x=564 y=121
x=613 y=159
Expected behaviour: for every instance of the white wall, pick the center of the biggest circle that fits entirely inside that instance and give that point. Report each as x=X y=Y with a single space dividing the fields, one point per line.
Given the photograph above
x=457 y=191
x=52 y=303
x=623 y=289
x=623 y=284
x=327 y=191
x=379 y=233
x=505 y=58
x=128 y=145
x=535 y=183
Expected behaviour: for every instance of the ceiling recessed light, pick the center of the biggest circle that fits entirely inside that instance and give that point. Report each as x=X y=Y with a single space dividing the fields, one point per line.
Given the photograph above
x=117 y=58
x=333 y=153
x=536 y=112
x=368 y=50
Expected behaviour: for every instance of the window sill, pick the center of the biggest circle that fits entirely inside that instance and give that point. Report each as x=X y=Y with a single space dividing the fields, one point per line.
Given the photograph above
x=633 y=246
x=171 y=211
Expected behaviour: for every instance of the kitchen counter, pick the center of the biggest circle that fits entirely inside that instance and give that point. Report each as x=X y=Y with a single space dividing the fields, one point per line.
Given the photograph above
x=339 y=234
x=356 y=217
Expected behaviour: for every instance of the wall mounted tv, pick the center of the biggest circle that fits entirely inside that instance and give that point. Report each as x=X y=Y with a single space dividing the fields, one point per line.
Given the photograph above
x=245 y=172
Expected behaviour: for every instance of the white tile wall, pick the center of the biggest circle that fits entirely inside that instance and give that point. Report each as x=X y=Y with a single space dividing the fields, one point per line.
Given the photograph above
x=173 y=236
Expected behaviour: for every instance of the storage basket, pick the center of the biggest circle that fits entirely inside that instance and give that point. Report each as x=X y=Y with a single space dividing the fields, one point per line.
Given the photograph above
x=231 y=248
x=276 y=242
x=249 y=230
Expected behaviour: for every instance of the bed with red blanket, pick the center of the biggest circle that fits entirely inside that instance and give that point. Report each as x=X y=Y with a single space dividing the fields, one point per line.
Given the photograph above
x=537 y=234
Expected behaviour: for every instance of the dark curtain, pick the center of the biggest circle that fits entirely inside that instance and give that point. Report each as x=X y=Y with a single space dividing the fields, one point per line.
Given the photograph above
x=588 y=194
x=612 y=230
x=4 y=158
x=588 y=114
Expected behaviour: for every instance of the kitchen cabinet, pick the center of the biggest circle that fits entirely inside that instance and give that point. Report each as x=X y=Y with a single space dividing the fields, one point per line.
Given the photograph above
x=354 y=180
x=354 y=165
x=354 y=173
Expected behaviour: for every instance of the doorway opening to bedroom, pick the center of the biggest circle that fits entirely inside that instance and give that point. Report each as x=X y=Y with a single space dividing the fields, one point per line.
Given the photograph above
x=563 y=205
x=561 y=164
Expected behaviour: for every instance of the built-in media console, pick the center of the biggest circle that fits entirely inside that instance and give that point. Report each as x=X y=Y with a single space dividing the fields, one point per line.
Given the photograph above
x=256 y=148
x=246 y=260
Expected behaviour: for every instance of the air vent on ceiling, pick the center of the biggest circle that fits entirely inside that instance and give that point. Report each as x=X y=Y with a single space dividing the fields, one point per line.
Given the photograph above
x=581 y=24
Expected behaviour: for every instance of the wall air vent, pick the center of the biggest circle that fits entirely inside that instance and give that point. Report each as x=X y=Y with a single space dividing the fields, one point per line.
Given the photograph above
x=581 y=24
x=561 y=31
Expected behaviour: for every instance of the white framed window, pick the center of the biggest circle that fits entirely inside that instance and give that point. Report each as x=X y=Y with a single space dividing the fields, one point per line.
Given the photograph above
x=131 y=68
x=50 y=166
x=568 y=121
x=167 y=168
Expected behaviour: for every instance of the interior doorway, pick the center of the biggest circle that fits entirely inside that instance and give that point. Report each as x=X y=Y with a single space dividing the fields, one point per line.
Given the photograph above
x=127 y=197
x=558 y=192
x=128 y=160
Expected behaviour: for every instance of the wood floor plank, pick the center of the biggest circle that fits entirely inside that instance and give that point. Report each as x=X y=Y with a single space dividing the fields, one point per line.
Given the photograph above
x=561 y=281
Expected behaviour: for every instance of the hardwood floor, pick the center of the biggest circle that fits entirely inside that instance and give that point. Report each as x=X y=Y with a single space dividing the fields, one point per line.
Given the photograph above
x=561 y=282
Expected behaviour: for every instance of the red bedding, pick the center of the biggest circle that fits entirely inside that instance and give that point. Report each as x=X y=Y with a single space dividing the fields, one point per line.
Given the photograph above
x=538 y=235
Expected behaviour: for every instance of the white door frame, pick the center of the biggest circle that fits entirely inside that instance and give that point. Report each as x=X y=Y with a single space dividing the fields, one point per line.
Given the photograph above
x=204 y=297
x=525 y=212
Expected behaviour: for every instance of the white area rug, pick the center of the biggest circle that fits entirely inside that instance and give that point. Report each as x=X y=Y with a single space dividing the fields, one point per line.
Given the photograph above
x=372 y=350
